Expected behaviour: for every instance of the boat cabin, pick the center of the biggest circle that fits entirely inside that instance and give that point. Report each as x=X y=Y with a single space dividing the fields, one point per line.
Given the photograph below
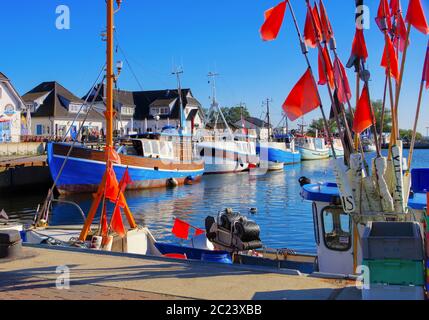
x=337 y=236
x=160 y=146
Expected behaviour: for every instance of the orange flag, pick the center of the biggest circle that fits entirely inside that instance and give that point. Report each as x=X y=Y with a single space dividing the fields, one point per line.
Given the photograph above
x=125 y=181
x=325 y=23
x=426 y=69
x=324 y=58
x=273 y=22
x=181 y=229
x=112 y=186
x=116 y=224
x=303 y=98
x=199 y=232
x=310 y=36
x=416 y=16
x=362 y=119
x=343 y=86
x=389 y=55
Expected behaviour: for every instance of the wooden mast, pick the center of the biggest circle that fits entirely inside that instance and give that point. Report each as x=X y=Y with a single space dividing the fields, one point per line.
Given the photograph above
x=109 y=115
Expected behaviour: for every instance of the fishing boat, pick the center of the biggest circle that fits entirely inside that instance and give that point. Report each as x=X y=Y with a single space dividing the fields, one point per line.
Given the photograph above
x=338 y=147
x=153 y=161
x=312 y=148
x=224 y=152
x=275 y=154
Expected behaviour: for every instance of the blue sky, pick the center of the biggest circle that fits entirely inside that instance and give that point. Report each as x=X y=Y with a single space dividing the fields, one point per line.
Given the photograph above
x=201 y=36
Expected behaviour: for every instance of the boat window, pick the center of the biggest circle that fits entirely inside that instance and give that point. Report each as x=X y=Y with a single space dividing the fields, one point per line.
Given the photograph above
x=319 y=143
x=336 y=229
x=147 y=147
x=316 y=224
x=155 y=147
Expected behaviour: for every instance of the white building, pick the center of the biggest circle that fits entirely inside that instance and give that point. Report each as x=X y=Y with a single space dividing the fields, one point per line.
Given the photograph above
x=11 y=107
x=53 y=110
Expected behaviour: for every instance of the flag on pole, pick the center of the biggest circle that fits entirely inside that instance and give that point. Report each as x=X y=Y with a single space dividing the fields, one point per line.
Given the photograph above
x=395 y=7
x=116 y=223
x=326 y=27
x=112 y=155
x=112 y=187
x=199 y=232
x=343 y=86
x=310 y=35
x=363 y=118
x=359 y=50
x=383 y=13
x=273 y=21
x=390 y=60
x=416 y=16
x=325 y=67
x=400 y=33
x=125 y=181
x=426 y=69
x=181 y=229
x=303 y=98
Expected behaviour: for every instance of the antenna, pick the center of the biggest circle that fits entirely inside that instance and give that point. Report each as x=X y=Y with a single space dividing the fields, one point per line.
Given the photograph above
x=215 y=105
x=268 y=118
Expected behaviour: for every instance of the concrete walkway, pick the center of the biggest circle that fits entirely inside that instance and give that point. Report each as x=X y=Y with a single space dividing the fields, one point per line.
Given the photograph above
x=107 y=276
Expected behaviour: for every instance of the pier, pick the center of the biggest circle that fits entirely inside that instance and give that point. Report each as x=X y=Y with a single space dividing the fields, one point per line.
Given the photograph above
x=101 y=275
x=23 y=172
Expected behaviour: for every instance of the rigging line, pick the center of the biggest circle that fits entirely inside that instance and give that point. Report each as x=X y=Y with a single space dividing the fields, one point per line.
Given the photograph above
x=43 y=213
x=84 y=103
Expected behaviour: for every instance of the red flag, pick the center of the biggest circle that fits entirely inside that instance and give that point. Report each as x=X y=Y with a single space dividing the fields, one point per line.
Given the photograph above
x=383 y=13
x=181 y=229
x=395 y=7
x=389 y=55
x=359 y=50
x=416 y=16
x=116 y=224
x=125 y=181
x=112 y=187
x=326 y=27
x=310 y=36
x=401 y=33
x=303 y=98
x=426 y=69
x=343 y=86
x=273 y=21
x=325 y=62
x=112 y=155
x=362 y=119
x=199 y=232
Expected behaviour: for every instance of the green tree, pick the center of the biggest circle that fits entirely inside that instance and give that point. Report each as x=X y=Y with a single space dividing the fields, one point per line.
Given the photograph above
x=233 y=114
x=408 y=135
x=319 y=125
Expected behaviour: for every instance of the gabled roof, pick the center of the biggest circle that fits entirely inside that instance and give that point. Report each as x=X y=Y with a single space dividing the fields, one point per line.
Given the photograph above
x=56 y=102
x=3 y=77
x=6 y=80
x=257 y=122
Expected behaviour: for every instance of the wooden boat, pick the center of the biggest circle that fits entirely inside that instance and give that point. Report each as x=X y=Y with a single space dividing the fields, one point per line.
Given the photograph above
x=152 y=162
x=312 y=148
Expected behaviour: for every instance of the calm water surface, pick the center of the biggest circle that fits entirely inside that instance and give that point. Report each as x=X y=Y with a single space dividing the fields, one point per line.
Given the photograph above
x=285 y=219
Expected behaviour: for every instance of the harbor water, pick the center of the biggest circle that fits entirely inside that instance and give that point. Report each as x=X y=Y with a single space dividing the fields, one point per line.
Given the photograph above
x=285 y=219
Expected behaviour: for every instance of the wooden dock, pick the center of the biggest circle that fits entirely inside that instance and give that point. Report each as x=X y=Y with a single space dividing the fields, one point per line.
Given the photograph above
x=101 y=275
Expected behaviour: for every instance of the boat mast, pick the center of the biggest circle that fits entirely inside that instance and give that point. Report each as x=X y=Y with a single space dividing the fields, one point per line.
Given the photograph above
x=215 y=104
x=177 y=73
x=269 y=120
x=110 y=76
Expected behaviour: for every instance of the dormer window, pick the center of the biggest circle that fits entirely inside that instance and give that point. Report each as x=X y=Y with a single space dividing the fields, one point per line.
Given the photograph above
x=161 y=111
x=129 y=111
x=75 y=108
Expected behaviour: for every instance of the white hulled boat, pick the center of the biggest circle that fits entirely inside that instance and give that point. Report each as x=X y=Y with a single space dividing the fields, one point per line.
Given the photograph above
x=312 y=148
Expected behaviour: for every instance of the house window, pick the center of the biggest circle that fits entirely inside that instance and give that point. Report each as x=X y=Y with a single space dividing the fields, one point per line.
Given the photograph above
x=127 y=111
x=160 y=111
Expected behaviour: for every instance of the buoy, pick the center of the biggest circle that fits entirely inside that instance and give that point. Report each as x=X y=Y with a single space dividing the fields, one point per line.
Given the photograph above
x=304 y=181
x=253 y=210
x=189 y=180
x=172 y=183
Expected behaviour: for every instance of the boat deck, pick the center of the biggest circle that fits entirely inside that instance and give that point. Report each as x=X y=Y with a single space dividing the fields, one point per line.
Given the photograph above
x=101 y=275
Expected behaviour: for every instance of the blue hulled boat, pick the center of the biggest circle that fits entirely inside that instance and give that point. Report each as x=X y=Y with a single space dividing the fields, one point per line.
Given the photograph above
x=153 y=161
